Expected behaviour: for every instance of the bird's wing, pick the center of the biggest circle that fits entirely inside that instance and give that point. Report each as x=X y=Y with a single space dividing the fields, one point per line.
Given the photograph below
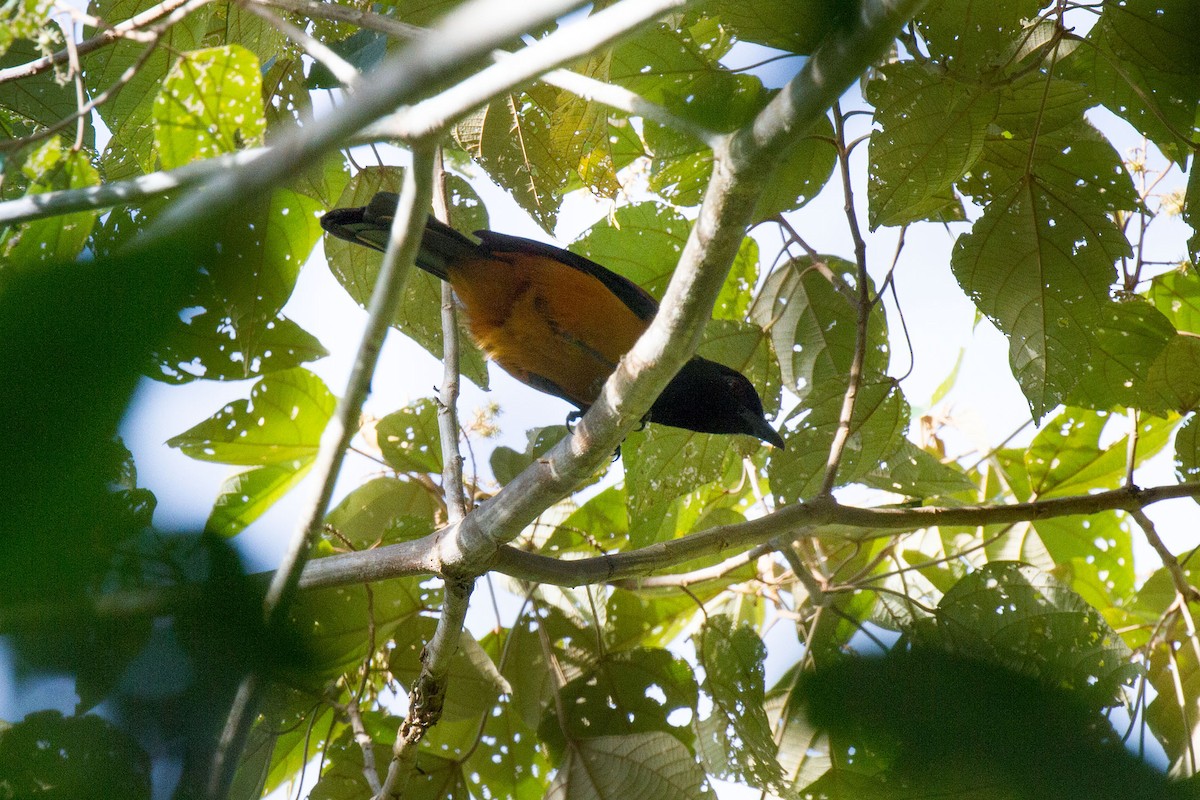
x=635 y=298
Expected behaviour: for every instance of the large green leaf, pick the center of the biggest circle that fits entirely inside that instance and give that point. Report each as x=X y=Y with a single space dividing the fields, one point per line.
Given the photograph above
x=1161 y=102
x=128 y=113
x=933 y=132
x=630 y=692
x=808 y=308
x=618 y=767
x=1016 y=616
x=677 y=65
x=641 y=242
x=797 y=27
x=246 y=496
x=210 y=103
x=1039 y=265
x=43 y=99
x=735 y=740
x=914 y=472
x=337 y=625
x=281 y=422
x=1066 y=457
x=473 y=684
x=409 y=438
x=49 y=168
x=1177 y=295
x=383 y=511
x=973 y=35
x=876 y=432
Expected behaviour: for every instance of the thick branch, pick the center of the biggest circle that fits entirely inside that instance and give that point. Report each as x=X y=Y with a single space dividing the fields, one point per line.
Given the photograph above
x=567 y=44
x=739 y=163
x=821 y=518
x=468 y=33
x=429 y=690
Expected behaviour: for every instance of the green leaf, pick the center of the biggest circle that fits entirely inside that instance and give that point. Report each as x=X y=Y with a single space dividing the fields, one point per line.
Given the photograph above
x=434 y=778
x=357 y=268
x=514 y=139
x=210 y=103
x=1177 y=295
x=1039 y=266
x=43 y=99
x=913 y=472
x=52 y=167
x=662 y=463
x=1019 y=617
x=282 y=421
x=735 y=740
x=642 y=242
x=616 y=767
x=1161 y=103
x=679 y=67
x=808 y=308
x=933 y=132
x=48 y=755
x=1037 y=105
x=1074 y=162
x=1102 y=541
x=626 y=693
x=797 y=27
x=337 y=625
x=1155 y=33
x=733 y=303
x=969 y=36
x=1123 y=345
x=1066 y=457
x=204 y=346
x=384 y=511
x=876 y=431
x=801 y=175
x=473 y=684
x=409 y=438
x=507 y=463
x=129 y=113
x=1187 y=450
x=508 y=760
x=246 y=496
x=1173 y=380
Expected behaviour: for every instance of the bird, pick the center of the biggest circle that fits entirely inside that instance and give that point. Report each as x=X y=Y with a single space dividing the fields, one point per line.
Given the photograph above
x=559 y=322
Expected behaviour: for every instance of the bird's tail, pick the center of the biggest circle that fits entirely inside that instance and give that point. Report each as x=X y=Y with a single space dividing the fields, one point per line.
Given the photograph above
x=370 y=225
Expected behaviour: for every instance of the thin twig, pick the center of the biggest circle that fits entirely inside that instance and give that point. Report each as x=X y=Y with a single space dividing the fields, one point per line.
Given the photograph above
x=862 y=306
x=1187 y=592
x=397 y=262
x=341 y=69
x=170 y=10
x=447 y=405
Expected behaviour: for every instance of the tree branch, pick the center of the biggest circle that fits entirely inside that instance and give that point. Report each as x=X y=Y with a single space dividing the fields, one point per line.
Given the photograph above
x=739 y=162
x=173 y=10
x=429 y=690
x=825 y=518
x=428 y=117
x=398 y=259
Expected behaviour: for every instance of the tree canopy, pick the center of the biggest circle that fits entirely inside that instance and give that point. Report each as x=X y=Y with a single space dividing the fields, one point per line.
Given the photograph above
x=885 y=608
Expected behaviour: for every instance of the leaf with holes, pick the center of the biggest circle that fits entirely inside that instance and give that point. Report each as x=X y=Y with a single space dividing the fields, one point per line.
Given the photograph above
x=282 y=421
x=210 y=103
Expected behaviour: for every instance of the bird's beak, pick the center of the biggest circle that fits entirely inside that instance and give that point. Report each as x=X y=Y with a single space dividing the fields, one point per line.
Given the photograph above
x=763 y=430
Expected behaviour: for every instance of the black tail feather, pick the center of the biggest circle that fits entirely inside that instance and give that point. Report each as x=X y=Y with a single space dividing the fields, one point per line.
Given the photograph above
x=370 y=225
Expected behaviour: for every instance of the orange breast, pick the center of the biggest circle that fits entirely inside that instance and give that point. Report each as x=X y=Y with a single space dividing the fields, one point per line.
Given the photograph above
x=542 y=320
